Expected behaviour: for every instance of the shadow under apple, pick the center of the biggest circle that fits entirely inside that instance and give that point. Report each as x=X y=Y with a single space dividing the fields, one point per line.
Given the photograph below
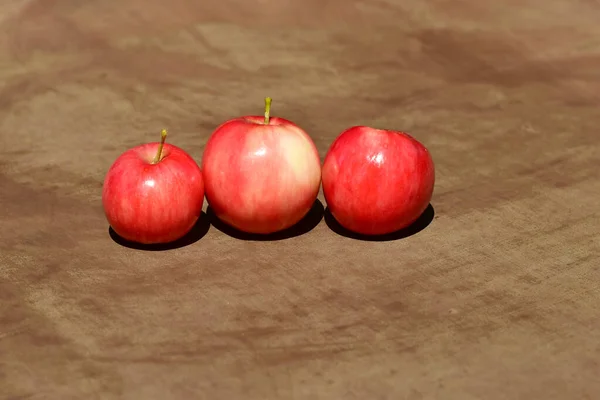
x=421 y=223
x=198 y=231
x=305 y=225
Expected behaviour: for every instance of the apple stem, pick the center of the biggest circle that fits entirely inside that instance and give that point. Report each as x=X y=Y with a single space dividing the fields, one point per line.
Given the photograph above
x=267 y=110
x=163 y=137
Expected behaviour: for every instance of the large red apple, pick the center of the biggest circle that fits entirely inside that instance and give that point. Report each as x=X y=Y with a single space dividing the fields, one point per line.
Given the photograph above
x=262 y=174
x=153 y=193
x=377 y=181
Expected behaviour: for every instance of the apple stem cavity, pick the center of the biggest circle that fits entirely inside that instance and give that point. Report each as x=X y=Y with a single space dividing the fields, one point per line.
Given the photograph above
x=163 y=137
x=268 y=101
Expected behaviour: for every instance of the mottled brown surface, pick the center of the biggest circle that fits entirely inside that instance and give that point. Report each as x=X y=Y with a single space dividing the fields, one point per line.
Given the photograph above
x=498 y=298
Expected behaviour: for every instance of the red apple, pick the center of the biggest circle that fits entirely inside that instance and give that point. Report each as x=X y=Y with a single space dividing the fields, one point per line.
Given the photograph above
x=377 y=181
x=153 y=193
x=262 y=174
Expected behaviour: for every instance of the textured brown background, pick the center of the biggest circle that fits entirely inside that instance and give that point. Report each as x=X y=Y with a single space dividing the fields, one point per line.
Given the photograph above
x=498 y=298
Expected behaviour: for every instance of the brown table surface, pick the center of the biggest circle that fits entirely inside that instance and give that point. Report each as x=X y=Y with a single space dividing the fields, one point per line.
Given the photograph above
x=497 y=298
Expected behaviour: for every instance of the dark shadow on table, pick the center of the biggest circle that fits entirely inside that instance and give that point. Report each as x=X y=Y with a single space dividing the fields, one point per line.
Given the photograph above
x=198 y=231
x=305 y=225
x=421 y=223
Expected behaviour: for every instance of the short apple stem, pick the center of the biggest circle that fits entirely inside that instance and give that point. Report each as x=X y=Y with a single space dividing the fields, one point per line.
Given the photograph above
x=267 y=110
x=163 y=137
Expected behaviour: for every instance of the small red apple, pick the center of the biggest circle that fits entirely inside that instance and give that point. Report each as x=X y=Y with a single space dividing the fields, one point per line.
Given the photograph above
x=153 y=193
x=262 y=174
x=377 y=181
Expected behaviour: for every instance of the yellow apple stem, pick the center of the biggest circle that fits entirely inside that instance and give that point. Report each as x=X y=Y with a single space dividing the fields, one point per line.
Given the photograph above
x=163 y=137
x=267 y=110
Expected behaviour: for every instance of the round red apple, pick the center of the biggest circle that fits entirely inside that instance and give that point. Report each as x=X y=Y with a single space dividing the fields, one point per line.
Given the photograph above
x=377 y=181
x=262 y=174
x=153 y=193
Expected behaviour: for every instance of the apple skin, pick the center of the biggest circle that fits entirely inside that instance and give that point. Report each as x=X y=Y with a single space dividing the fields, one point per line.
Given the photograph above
x=377 y=181
x=261 y=178
x=153 y=203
